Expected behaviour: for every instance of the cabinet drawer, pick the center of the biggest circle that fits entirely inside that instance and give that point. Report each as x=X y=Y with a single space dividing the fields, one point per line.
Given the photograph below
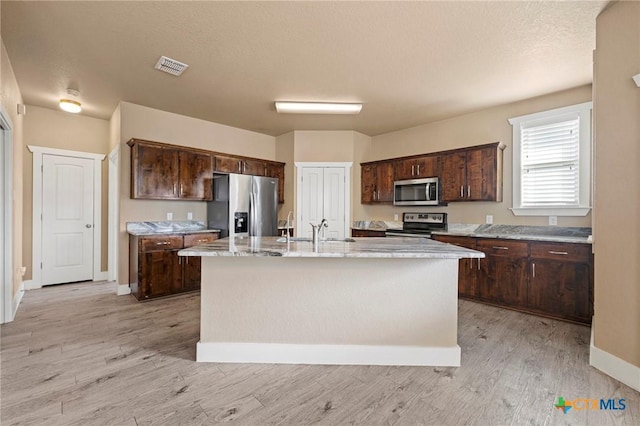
x=191 y=240
x=503 y=247
x=561 y=251
x=160 y=242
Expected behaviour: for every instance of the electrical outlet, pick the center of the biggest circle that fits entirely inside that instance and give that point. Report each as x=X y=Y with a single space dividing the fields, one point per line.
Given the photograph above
x=553 y=220
x=189 y=216
x=169 y=216
x=489 y=219
x=395 y=217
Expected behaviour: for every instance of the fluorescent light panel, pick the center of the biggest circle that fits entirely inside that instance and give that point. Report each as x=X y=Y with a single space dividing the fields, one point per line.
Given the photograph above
x=317 y=108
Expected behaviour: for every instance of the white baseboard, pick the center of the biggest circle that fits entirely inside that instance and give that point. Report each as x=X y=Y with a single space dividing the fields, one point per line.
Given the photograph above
x=16 y=300
x=30 y=285
x=101 y=276
x=613 y=366
x=123 y=289
x=278 y=353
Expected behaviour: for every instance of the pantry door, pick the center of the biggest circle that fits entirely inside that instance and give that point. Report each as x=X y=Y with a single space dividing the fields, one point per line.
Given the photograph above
x=67 y=219
x=323 y=193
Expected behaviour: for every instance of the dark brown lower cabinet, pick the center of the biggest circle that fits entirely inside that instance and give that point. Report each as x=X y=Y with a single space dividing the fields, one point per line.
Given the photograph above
x=156 y=270
x=546 y=278
x=367 y=233
x=503 y=273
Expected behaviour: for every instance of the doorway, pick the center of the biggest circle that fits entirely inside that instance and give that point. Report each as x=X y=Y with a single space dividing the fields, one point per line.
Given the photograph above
x=323 y=193
x=67 y=221
x=6 y=218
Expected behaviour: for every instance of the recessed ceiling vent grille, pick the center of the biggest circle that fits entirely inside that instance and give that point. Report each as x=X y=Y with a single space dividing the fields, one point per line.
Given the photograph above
x=170 y=66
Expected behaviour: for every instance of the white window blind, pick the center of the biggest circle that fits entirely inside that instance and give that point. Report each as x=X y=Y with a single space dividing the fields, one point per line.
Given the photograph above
x=550 y=168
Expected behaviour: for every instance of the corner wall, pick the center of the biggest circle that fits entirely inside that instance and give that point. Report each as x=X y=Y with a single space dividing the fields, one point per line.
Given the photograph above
x=481 y=127
x=617 y=193
x=10 y=97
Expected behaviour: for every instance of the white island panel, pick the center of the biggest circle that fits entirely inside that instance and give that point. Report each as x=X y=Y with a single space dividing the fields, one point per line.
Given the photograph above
x=324 y=310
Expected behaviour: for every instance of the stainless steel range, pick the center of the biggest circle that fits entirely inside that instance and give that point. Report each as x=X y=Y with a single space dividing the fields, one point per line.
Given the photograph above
x=419 y=225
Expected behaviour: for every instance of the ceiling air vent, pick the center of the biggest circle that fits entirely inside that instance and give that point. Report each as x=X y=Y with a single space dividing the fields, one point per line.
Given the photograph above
x=170 y=66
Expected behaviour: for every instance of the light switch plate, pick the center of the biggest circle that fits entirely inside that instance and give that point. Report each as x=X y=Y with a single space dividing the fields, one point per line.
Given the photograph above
x=189 y=216
x=395 y=217
x=489 y=219
x=553 y=220
x=169 y=216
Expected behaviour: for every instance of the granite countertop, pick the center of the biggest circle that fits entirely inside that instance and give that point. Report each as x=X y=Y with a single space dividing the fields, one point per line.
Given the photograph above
x=514 y=232
x=378 y=247
x=168 y=227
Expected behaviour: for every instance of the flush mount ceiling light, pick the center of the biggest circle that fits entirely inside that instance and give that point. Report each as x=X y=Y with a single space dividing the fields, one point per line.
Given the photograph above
x=71 y=105
x=317 y=108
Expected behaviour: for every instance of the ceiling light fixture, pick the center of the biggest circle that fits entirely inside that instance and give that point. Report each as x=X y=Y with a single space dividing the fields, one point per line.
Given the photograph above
x=71 y=105
x=317 y=108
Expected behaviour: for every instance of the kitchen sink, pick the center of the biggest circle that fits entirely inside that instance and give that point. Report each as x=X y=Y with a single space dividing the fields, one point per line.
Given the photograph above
x=308 y=240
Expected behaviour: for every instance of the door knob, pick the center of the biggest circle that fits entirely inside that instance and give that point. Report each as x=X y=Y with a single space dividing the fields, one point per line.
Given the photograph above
x=88 y=225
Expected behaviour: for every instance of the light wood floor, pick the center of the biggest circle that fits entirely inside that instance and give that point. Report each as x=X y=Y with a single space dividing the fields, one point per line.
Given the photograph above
x=79 y=354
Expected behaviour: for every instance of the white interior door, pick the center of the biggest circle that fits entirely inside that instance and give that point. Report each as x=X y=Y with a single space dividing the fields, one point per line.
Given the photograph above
x=3 y=206
x=67 y=219
x=322 y=195
x=333 y=202
x=312 y=200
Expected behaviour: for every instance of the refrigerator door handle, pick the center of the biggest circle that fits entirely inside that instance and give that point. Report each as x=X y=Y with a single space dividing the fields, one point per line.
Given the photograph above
x=252 y=214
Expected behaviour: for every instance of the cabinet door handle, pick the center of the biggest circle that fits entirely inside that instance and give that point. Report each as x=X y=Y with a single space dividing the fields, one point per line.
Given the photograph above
x=175 y=188
x=163 y=243
x=202 y=241
x=461 y=191
x=561 y=253
x=500 y=248
x=413 y=169
x=239 y=166
x=181 y=189
x=478 y=264
x=468 y=191
x=534 y=269
x=418 y=170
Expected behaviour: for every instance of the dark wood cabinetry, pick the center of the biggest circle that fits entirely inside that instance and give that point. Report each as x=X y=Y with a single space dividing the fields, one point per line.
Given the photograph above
x=467 y=268
x=377 y=183
x=473 y=174
x=156 y=270
x=503 y=273
x=167 y=172
x=546 y=278
x=416 y=167
x=276 y=170
x=242 y=165
x=367 y=233
x=561 y=280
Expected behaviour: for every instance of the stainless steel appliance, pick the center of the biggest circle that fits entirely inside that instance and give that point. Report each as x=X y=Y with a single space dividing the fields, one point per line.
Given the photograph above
x=419 y=225
x=416 y=192
x=243 y=205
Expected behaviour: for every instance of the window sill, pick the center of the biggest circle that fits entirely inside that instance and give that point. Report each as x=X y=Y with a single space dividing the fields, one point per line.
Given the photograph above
x=551 y=211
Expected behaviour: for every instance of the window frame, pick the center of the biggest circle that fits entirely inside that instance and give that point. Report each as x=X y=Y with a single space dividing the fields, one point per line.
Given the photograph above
x=584 y=206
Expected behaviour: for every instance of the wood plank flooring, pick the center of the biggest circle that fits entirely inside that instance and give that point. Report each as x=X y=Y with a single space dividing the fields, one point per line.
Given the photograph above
x=77 y=354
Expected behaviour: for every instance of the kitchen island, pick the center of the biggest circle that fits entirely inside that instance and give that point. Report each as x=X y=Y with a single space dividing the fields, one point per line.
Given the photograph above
x=376 y=301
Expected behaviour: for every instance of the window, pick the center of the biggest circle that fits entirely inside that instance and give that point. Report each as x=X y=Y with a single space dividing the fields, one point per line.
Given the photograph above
x=552 y=162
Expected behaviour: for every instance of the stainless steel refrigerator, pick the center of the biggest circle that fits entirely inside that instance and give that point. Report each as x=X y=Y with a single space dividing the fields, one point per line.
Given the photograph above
x=243 y=205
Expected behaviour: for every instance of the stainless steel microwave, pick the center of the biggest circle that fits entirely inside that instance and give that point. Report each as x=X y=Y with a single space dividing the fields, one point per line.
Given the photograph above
x=416 y=192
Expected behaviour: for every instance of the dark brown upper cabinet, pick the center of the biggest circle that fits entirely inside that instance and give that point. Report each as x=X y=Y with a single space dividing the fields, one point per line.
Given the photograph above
x=276 y=170
x=376 y=183
x=416 y=167
x=472 y=174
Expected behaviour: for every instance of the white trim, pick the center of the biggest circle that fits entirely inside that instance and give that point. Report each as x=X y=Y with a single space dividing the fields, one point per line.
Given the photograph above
x=114 y=194
x=123 y=289
x=101 y=276
x=279 y=353
x=347 y=192
x=585 y=162
x=613 y=366
x=29 y=285
x=16 y=300
x=36 y=248
x=6 y=286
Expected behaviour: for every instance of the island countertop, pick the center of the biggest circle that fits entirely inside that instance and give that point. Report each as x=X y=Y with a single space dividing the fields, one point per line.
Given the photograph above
x=353 y=248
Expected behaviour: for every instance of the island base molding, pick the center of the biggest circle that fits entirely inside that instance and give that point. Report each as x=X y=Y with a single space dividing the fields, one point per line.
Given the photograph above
x=278 y=353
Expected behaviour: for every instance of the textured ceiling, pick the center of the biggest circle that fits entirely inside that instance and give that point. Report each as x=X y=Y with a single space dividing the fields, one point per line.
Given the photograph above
x=409 y=63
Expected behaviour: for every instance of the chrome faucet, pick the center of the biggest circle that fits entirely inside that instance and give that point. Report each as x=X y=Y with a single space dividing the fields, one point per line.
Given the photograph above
x=316 y=232
x=289 y=225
